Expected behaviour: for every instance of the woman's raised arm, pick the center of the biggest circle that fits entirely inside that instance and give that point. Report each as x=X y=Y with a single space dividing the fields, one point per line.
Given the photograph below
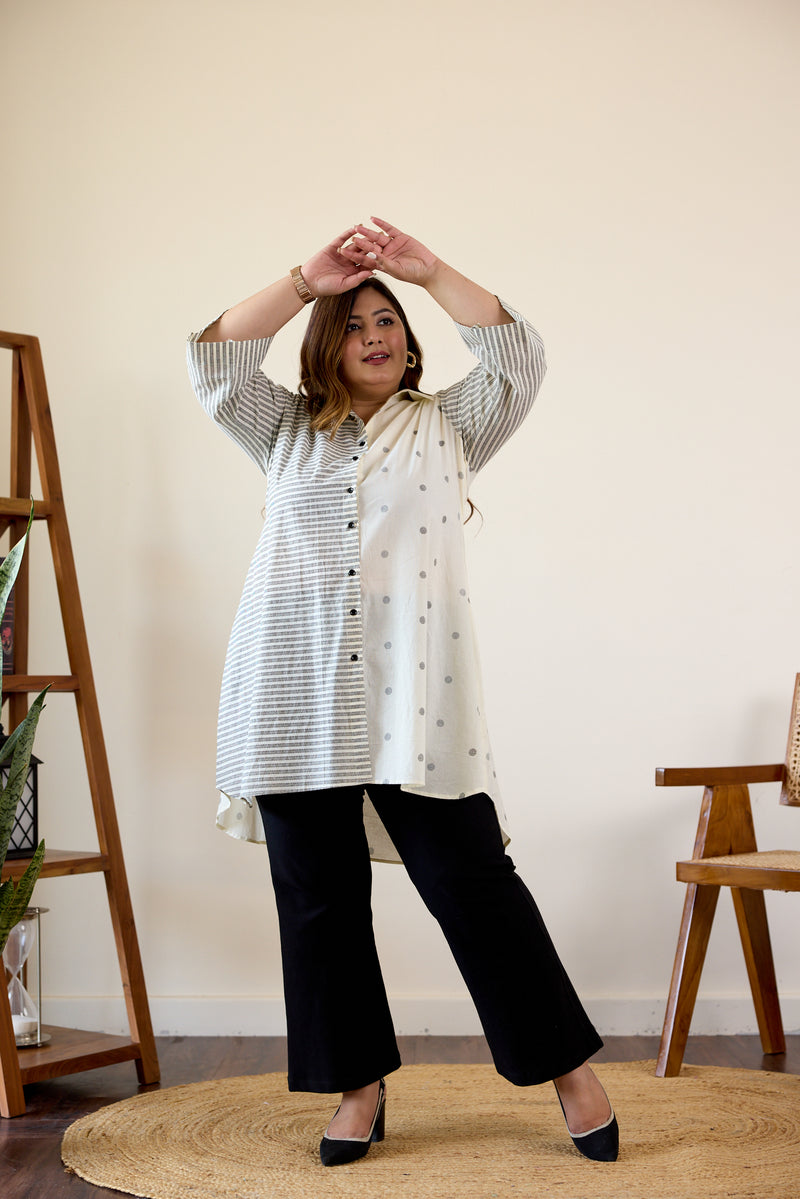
x=327 y=273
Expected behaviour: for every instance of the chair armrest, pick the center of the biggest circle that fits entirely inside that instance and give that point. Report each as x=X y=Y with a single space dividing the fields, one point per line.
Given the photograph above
x=717 y=776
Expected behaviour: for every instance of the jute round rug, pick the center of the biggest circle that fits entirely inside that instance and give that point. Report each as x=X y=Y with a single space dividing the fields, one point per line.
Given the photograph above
x=452 y=1132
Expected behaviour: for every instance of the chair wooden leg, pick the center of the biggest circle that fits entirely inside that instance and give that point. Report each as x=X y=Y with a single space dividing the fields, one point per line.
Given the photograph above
x=751 y=916
x=698 y=914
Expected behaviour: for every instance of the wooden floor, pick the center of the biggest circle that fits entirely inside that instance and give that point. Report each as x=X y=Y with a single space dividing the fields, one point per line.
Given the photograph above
x=30 y=1163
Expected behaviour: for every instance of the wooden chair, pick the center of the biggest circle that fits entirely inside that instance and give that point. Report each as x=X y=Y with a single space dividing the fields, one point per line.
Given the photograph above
x=726 y=855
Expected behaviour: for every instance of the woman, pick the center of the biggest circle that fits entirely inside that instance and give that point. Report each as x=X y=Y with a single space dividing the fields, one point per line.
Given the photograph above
x=351 y=707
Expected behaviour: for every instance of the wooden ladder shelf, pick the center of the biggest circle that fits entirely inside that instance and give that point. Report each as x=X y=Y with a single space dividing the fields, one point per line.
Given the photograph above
x=69 y=1051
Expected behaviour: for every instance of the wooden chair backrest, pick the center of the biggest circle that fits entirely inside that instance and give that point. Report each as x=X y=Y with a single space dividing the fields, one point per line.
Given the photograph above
x=790 y=790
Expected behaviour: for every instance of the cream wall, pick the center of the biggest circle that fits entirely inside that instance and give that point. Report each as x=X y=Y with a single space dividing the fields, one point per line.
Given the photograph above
x=627 y=175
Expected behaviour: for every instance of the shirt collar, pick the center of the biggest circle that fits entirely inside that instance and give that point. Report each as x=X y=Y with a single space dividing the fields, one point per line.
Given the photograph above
x=408 y=394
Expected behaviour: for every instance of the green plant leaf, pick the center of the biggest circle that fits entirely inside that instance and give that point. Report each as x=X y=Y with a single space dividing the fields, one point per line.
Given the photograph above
x=7 y=748
x=18 y=770
x=10 y=565
x=14 y=900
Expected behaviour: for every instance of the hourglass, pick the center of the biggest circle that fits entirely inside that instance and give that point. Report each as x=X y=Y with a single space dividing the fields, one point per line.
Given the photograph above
x=25 y=1014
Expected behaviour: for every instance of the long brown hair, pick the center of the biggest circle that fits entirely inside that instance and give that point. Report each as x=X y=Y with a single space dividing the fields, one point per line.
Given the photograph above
x=321 y=382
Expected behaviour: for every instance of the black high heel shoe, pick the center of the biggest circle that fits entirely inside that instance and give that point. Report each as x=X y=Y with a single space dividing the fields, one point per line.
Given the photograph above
x=339 y=1151
x=599 y=1144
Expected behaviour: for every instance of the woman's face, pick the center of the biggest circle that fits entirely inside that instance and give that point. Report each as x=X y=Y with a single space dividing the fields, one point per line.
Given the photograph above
x=374 y=351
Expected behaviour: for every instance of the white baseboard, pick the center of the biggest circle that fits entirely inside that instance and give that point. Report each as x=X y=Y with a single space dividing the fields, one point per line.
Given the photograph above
x=414 y=1015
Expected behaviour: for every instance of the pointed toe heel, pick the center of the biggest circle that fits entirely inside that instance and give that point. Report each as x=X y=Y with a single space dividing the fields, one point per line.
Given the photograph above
x=600 y=1144
x=335 y=1151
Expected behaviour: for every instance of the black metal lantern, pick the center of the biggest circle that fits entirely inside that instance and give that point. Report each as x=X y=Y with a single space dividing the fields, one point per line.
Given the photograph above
x=25 y=831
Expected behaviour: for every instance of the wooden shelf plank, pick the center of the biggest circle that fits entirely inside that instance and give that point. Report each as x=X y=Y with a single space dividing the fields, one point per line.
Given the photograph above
x=59 y=862
x=71 y=1051
x=12 y=506
x=30 y=683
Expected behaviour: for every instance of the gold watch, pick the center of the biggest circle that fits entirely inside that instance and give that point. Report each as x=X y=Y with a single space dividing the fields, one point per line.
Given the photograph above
x=302 y=287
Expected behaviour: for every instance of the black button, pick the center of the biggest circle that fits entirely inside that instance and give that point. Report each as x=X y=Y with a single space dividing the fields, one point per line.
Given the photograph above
x=355 y=457
x=362 y=443
x=354 y=657
x=350 y=490
x=351 y=572
x=354 y=611
x=351 y=524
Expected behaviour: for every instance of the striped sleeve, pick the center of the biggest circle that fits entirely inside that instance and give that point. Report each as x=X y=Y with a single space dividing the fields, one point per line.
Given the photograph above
x=236 y=394
x=493 y=400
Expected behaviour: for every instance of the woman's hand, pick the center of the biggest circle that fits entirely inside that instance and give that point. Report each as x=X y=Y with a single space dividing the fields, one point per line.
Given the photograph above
x=333 y=270
x=329 y=272
x=393 y=252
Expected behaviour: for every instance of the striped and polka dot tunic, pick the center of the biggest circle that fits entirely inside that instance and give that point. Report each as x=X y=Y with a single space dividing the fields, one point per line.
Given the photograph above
x=353 y=656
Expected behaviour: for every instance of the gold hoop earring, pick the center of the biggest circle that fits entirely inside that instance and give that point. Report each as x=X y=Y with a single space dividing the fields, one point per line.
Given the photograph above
x=411 y=361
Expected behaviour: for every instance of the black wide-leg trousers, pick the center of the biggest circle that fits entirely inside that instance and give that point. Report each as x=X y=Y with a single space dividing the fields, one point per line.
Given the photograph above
x=340 y=1032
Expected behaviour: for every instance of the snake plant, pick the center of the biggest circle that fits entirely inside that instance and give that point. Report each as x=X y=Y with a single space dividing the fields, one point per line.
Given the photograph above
x=15 y=897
